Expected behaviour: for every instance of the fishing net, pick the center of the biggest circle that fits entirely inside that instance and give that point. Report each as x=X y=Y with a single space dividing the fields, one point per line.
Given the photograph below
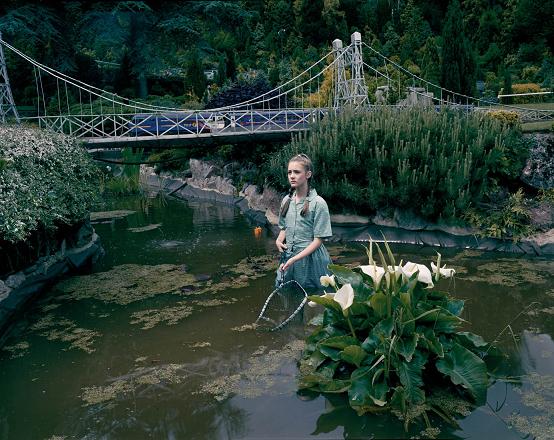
x=284 y=304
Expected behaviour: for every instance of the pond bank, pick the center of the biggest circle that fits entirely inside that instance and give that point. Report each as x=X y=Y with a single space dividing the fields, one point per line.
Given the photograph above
x=20 y=288
x=205 y=181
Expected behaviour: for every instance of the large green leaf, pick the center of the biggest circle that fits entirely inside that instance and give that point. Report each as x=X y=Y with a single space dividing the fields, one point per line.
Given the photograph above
x=466 y=369
x=346 y=276
x=340 y=342
x=325 y=301
x=353 y=354
x=455 y=306
x=378 y=303
x=410 y=377
x=332 y=353
x=406 y=346
x=315 y=359
x=363 y=393
x=471 y=340
x=431 y=342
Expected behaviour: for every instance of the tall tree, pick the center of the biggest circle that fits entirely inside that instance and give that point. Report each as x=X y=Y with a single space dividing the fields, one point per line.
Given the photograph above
x=458 y=70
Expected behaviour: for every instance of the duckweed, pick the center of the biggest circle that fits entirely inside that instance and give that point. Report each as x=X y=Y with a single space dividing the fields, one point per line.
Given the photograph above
x=61 y=329
x=17 y=350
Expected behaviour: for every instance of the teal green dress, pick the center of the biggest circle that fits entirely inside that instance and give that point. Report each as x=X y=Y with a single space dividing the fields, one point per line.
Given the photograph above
x=300 y=232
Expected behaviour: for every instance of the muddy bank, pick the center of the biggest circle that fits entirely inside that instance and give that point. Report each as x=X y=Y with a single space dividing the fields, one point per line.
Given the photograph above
x=262 y=206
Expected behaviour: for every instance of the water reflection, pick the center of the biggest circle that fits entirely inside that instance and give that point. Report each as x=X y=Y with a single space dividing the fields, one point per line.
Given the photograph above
x=210 y=374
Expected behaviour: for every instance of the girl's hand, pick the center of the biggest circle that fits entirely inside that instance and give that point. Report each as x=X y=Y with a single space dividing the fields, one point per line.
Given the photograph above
x=281 y=247
x=288 y=264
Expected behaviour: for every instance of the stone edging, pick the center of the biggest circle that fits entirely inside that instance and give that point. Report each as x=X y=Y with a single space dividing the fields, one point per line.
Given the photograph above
x=19 y=288
x=263 y=208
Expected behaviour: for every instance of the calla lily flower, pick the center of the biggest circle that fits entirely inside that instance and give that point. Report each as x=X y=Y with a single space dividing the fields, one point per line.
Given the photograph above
x=375 y=272
x=327 y=280
x=446 y=273
x=423 y=273
x=345 y=297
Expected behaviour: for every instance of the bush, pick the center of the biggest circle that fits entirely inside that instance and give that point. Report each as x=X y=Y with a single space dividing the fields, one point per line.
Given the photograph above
x=509 y=118
x=434 y=164
x=526 y=88
x=46 y=180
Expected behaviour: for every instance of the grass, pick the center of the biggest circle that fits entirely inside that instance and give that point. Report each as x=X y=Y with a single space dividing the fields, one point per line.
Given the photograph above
x=537 y=126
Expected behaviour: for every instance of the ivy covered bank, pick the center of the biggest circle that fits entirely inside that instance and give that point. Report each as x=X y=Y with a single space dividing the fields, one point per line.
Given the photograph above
x=47 y=186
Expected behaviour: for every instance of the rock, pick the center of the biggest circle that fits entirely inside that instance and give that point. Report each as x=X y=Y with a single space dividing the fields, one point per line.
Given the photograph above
x=539 y=169
x=4 y=290
x=202 y=277
x=15 y=280
x=202 y=170
x=349 y=220
x=542 y=215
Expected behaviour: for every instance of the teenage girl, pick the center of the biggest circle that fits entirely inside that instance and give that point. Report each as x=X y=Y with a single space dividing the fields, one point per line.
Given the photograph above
x=304 y=221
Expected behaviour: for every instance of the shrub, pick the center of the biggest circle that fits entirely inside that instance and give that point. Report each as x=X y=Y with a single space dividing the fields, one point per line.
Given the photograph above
x=509 y=118
x=434 y=164
x=526 y=88
x=47 y=180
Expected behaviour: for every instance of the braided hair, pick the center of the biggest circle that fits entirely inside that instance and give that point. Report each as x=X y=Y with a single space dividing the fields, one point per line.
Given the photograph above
x=308 y=166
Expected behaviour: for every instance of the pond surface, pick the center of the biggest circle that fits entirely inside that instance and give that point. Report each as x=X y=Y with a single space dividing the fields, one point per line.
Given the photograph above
x=157 y=340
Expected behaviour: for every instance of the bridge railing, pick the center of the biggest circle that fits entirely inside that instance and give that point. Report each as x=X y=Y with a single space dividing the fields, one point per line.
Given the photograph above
x=179 y=124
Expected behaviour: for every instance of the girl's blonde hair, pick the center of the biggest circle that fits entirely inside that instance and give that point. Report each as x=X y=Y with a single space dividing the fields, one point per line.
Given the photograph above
x=308 y=166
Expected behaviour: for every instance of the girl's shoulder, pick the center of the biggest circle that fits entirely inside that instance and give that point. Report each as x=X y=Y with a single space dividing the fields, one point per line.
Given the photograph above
x=320 y=202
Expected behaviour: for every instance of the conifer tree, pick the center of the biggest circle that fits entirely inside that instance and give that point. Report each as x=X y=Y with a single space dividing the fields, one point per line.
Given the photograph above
x=458 y=60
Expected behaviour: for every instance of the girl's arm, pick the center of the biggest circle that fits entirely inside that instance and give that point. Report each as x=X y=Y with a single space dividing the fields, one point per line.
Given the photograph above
x=281 y=246
x=309 y=249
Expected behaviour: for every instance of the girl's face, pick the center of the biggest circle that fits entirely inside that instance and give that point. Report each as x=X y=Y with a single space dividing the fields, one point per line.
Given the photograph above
x=297 y=174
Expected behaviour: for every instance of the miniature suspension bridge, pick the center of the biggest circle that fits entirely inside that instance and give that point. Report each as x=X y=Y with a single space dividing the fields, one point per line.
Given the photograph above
x=335 y=82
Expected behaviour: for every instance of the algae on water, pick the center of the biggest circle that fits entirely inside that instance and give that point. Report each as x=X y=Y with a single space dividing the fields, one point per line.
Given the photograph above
x=17 y=350
x=260 y=377
x=128 y=283
x=167 y=315
x=141 y=377
x=61 y=329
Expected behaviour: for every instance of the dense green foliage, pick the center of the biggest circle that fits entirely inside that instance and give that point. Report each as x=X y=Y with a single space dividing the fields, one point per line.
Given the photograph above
x=391 y=340
x=433 y=164
x=46 y=180
x=139 y=49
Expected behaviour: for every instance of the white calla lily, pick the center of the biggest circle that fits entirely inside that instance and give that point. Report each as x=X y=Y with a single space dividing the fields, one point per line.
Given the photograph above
x=423 y=273
x=345 y=297
x=375 y=272
x=443 y=271
x=327 y=280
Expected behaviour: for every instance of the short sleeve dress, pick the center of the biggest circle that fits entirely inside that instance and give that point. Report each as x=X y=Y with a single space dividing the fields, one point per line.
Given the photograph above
x=300 y=232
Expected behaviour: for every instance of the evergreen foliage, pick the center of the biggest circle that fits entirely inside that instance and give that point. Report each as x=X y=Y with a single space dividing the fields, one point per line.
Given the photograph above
x=435 y=165
x=458 y=60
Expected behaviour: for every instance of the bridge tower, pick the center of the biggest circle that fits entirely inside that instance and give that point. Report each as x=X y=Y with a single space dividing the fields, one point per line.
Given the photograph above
x=342 y=92
x=7 y=104
x=358 y=88
x=350 y=90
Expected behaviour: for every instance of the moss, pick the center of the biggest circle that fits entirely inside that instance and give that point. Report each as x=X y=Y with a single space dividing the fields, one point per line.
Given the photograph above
x=128 y=283
x=261 y=375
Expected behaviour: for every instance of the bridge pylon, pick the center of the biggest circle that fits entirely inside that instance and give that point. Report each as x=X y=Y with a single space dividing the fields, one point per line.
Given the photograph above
x=7 y=104
x=350 y=87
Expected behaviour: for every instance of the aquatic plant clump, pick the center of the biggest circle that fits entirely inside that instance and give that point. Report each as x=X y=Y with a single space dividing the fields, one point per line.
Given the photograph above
x=390 y=340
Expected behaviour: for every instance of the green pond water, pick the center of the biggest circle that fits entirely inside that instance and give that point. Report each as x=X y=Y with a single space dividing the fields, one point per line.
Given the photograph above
x=157 y=341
